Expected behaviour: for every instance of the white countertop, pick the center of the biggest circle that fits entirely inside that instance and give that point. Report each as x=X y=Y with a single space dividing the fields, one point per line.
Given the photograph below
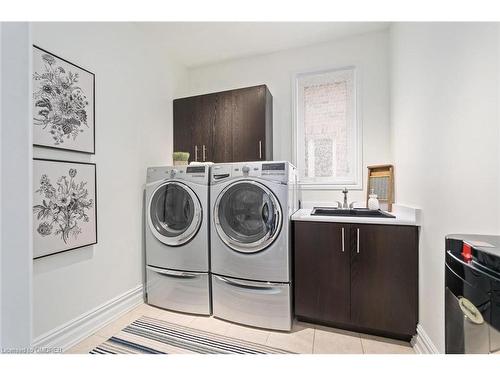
x=404 y=216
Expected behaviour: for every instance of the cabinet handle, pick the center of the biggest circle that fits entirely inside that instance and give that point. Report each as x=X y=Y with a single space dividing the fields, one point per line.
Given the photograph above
x=195 y=153
x=204 y=153
x=260 y=149
x=357 y=242
x=343 y=240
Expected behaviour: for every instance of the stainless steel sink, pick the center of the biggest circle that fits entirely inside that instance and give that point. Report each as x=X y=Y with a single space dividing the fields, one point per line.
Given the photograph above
x=353 y=212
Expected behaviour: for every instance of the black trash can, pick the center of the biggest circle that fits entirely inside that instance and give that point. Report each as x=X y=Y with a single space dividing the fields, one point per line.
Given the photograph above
x=472 y=294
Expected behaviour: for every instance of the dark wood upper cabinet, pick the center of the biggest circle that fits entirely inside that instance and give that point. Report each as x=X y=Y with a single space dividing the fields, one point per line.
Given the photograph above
x=204 y=112
x=320 y=286
x=228 y=126
x=249 y=112
x=184 y=114
x=222 y=131
x=371 y=287
x=197 y=116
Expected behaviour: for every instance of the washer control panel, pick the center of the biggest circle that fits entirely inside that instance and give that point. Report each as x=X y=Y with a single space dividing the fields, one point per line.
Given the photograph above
x=268 y=170
x=246 y=170
x=273 y=169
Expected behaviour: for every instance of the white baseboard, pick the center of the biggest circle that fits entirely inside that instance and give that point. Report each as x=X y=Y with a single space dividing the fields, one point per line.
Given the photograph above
x=423 y=343
x=68 y=334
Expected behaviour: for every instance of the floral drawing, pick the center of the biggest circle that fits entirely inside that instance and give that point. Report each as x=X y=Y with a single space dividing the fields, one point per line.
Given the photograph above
x=60 y=104
x=63 y=206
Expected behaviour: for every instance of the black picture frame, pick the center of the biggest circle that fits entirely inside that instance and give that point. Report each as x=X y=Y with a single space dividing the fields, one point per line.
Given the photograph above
x=96 y=207
x=93 y=106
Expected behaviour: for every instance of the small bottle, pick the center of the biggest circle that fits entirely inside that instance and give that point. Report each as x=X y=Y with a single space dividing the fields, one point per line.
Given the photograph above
x=373 y=201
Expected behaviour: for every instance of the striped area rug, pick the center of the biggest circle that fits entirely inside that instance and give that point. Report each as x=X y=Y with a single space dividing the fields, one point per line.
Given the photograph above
x=153 y=336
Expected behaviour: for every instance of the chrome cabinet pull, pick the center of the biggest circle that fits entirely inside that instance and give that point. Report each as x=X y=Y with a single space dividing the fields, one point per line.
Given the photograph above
x=204 y=153
x=260 y=149
x=343 y=240
x=195 y=152
x=357 y=242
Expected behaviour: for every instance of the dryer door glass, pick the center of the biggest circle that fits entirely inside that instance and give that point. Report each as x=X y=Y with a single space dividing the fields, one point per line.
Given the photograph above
x=248 y=216
x=174 y=213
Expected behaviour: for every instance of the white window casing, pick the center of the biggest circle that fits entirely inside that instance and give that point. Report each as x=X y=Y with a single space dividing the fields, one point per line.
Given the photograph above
x=327 y=144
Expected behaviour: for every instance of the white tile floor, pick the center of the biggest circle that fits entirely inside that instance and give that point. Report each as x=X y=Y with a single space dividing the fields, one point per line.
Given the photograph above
x=304 y=337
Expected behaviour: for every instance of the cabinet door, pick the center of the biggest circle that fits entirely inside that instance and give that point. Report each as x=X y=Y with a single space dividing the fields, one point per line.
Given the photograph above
x=321 y=278
x=203 y=123
x=384 y=278
x=222 y=131
x=249 y=124
x=193 y=122
x=183 y=124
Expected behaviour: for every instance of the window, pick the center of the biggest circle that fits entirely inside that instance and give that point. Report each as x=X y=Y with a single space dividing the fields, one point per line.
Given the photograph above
x=327 y=137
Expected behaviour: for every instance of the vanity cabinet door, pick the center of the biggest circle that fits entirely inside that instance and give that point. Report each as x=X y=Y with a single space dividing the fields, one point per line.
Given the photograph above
x=322 y=274
x=384 y=278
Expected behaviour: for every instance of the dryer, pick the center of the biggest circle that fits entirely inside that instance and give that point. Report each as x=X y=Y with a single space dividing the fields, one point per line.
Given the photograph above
x=177 y=238
x=251 y=205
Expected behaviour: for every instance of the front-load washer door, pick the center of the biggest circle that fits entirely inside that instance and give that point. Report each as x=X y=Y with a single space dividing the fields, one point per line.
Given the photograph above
x=247 y=216
x=175 y=213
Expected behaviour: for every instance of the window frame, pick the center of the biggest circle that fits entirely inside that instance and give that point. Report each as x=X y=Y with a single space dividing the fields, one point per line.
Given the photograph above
x=357 y=182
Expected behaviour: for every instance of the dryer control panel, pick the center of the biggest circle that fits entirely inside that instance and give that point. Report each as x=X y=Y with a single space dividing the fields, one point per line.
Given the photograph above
x=198 y=173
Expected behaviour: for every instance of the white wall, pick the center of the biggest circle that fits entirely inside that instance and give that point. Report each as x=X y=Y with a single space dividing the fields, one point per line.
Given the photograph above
x=16 y=249
x=135 y=84
x=369 y=53
x=445 y=138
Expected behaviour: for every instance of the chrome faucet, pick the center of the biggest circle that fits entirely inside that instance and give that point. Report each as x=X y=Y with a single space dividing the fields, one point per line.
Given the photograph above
x=345 y=205
x=345 y=191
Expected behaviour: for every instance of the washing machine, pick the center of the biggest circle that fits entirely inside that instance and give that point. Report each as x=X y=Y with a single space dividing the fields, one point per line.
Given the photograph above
x=251 y=204
x=177 y=238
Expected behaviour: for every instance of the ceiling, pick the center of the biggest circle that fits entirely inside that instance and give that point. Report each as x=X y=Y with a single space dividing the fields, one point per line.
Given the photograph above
x=201 y=43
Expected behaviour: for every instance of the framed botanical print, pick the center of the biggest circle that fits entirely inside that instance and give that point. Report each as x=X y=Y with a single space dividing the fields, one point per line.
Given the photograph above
x=63 y=104
x=64 y=206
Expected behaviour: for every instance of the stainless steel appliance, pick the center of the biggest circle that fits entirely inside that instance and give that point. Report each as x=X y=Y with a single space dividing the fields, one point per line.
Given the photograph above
x=251 y=205
x=472 y=294
x=177 y=238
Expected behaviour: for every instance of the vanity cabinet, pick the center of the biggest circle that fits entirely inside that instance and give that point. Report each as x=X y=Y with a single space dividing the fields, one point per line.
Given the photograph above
x=228 y=126
x=322 y=271
x=361 y=277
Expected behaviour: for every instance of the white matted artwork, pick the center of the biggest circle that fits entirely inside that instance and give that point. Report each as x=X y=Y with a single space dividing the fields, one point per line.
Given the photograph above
x=64 y=206
x=63 y=104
